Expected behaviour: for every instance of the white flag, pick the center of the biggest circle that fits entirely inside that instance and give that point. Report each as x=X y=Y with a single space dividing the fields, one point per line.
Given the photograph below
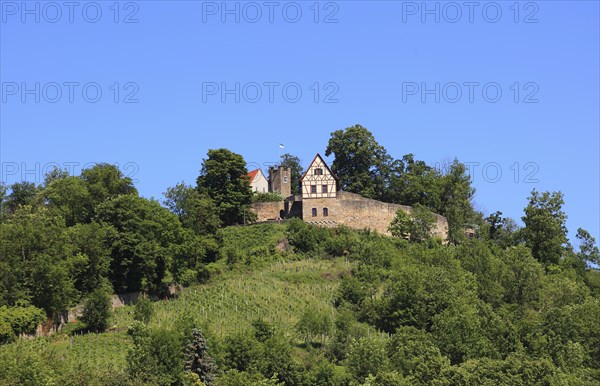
x=281 y=146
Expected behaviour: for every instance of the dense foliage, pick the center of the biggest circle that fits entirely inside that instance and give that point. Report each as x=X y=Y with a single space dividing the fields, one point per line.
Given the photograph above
x=364 y=166
x=292 y=304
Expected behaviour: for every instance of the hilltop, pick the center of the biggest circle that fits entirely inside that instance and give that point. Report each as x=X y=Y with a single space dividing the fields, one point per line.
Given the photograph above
x=309 y=306
x=304 y=303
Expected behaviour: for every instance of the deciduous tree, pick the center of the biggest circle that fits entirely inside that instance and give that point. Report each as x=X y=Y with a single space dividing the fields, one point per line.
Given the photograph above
x=361 y=164
x=225 y=178
x=545 y=230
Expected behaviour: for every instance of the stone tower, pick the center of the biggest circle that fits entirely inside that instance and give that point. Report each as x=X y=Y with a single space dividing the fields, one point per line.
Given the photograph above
x=280 y=180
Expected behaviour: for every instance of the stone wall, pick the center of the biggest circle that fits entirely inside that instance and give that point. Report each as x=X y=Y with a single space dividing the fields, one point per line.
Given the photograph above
x=346 y=208
x=268 y=210
x=357 y=212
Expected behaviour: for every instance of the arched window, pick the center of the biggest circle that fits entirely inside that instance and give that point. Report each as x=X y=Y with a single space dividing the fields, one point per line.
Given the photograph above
x=325 y=212
x=314 y=212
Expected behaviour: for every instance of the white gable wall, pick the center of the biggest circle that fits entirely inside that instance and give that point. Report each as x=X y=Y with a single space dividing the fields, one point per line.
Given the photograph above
x=318 y=182
x=259 y=184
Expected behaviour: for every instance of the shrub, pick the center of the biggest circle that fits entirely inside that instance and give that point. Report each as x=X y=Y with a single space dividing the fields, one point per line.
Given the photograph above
x=143 y=310
x=267 y=197
x=313 y=323
x=96 y=311
x=22 y=319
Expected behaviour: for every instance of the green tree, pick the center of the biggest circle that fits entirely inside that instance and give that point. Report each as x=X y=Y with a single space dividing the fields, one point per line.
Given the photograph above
x=97 y=310
x=156 y=357
x=413 y=182
x=504 y=231
x=197 y=359
x=522 y=281
x=33 y=261
x=88 y=251
x=225 y=178
x=414 y=353
x=588 y=250
x=55 y=174
x=242 y=351
x=361 y=164
x=143 y=241
x=70 y=199
x=423 y=221
x=455 y=200
x=459 y=333
x=401 y=225
x=367 y=356
x=313 y=323
x=478 y=258
x=196 y=210
x=296 y=171
x=21 y=319
x=21 y=194
x=105 y=181
x=263 y=330
x=190 y=255
x=3 y=197
x=416 y=226
x=545 y=230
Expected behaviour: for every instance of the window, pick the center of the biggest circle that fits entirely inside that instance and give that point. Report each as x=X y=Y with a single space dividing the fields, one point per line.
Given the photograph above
x=313 y=188
x=314 y=212
x=318 y=172
x=324 y=188
x=285 y=179
x=325 y=212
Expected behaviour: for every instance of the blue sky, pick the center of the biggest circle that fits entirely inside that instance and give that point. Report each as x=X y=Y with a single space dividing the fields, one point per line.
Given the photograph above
x=510 y=89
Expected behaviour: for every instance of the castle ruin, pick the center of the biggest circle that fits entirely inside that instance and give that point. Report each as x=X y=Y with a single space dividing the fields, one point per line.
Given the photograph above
x=321 y=203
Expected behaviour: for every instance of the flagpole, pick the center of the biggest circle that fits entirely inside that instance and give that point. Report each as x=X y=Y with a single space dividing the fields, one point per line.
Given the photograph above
x=281 y=147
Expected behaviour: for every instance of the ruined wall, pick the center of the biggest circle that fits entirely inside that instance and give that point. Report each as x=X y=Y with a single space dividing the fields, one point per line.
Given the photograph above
x=358 y=212
x=268 y=210
x=348 y=209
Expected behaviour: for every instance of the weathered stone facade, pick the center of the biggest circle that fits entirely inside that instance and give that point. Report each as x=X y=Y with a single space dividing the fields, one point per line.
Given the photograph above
x=355 y=211
x=280 y=180
x=349 y=209
x=269 y=210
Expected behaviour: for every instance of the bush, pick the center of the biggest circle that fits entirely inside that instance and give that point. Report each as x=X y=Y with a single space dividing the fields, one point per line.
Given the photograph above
x=96 y=311
x=367 y=356
x=22 y=319
x=143 y=310
x=22 y=363
x=237 y=378
x=7 y=335
x=267 y=197
x=156 y=357
x=313 y=323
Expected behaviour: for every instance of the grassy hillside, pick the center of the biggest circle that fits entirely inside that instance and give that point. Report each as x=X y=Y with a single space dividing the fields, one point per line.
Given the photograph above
x=259 y=282
x=298 y=305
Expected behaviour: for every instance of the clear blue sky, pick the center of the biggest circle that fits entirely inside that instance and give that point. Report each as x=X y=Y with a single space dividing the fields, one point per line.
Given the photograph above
x=371 y=59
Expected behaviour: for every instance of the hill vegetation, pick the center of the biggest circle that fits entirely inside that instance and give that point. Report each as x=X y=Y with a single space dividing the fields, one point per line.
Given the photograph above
x=292 y=304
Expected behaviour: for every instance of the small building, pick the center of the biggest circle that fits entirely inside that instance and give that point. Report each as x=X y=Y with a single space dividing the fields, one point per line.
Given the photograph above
x=258 y=181
x=319 y=185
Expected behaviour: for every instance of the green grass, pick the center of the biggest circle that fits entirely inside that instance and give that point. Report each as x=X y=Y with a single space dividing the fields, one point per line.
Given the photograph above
x=279 y=294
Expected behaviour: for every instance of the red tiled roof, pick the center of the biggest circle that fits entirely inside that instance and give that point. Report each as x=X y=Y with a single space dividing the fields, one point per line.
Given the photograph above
x=252 y=174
